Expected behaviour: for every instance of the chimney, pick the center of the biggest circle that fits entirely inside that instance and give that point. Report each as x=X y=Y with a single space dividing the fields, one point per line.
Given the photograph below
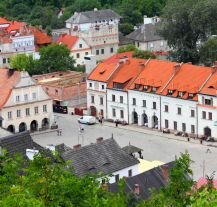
x=30 y=153
x=90 y=63
x=99 y=140
x=214 y=68
x=177 y=67
x=78 y=146
x=136 y=189
x=165 y=172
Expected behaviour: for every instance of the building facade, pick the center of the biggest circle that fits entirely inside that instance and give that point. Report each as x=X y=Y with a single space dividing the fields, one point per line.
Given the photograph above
x=24 y=104
x=179 y=98
x=99 y=28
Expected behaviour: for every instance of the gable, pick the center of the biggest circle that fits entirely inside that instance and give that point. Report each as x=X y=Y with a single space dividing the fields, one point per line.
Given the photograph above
x=76 y=46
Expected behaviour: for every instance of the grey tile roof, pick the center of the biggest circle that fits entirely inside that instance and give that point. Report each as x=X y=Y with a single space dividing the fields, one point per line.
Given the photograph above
x=145 y=33
x=18 y=143
x=105 y=157
x=123 y=40
x=4 y=132
x=92 y=16
x=147 y=180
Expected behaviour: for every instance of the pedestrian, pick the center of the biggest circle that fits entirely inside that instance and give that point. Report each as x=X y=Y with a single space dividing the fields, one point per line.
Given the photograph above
x=208 y=150
x=116 y=123
x=201 y=141
x=60 y=132
x=57 y=132
x=188 y=139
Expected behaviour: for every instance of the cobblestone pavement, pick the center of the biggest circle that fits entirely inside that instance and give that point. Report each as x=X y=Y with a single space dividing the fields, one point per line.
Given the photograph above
x=155 y=144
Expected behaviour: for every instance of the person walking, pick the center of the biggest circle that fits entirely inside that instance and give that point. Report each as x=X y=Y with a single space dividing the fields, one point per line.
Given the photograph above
x=116 y=123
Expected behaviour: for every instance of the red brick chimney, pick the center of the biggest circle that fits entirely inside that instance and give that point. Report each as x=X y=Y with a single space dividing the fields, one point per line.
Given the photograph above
x=78 y=146
x=165 y=172
x=99 y=140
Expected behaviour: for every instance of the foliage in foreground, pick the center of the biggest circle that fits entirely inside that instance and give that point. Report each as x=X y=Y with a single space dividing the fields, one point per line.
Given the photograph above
x=45 y=183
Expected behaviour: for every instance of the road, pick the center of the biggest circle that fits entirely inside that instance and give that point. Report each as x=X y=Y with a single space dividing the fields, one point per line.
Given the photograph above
x=155 y=146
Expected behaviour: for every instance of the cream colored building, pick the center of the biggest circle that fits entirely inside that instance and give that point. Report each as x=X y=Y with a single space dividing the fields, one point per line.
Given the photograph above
x=23 y=104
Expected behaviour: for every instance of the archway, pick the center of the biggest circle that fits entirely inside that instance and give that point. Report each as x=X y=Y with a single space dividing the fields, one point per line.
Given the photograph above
x=92 y=110
x=34 y=126
x=144 y=119
x=207 y=132
x=11 y=128
x=45 y=123
x=22 y=127
x=155 y=122
x=135 y=118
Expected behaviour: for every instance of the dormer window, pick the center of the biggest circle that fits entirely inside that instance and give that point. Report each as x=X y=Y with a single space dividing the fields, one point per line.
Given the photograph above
x=181 y=94
x=170 y=92
x=145 y=88
x=191 y=95
x=137 y=86
x=154 y=89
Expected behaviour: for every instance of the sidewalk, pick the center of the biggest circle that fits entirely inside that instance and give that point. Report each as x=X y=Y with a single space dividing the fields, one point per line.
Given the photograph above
x=146 y=130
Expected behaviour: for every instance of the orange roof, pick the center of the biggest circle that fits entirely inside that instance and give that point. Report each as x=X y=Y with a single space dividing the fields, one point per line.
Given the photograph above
x=127 y=72
x=189 y=79
x=4 y=21
x=155 y=74
x=116 y=57
x=15 y=26
x=210 y=87
x=40 y=36
x=6 y=84
x=67 y=40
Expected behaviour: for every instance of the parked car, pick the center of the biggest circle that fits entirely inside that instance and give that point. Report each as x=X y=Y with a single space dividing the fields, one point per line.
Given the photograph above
x=87 y=120
x=210 y=139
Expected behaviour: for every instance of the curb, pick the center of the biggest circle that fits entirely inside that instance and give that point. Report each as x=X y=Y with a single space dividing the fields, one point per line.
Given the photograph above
x=43 y=132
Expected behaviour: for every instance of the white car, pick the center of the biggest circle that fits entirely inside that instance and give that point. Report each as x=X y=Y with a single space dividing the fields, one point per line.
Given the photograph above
x=87 y=120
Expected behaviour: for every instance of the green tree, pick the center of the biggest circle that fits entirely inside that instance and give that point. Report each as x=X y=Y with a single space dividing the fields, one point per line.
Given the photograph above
x=127 y=48
x=208 y=52
x=143 y=54
x=55 y=58
x=126 y=28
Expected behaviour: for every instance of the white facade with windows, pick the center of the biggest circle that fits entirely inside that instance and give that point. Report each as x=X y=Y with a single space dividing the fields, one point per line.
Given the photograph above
x=96 y=98
x=27 y=108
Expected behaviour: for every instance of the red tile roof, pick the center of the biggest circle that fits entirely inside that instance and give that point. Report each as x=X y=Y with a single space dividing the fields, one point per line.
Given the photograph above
x=67 y=40
x=105 y=69
x=189 y=79
x=41 y=37
x=4 y=21
x=6 y=84
x=127 y=72
x=155 y=74
x=15 y=26
x=210 y=87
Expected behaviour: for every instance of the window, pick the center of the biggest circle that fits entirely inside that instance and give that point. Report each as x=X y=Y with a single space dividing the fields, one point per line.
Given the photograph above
x=90 y=85
x=137 y=44
x=145 y=88
x=170 y=92
x=113 y=98
x=179 y=111
x=166 y=123
x=154 y=89
x=144 y=103
x=203 y=115
x=26 y=97
x=56 y=92
x=210 y=115
x=86 y=53
x=113 y=112
x=103 y=87
x=77 y=55
x=208 y=101
x=180 y=94
x=122 y=114
x=192 y=113
x=17 y=98
x=192 y=129
x=36 y=109
x=44 y=108
x=166 y=108
x=34 y=96
x=121 y=99
x=101 y=112
x=116 y=178
x=175 y=125
x=102 y=51
x=154 y=105
x=191 y=95
x=183 y=127
x=97 y=52
x=92 y=99
x=80 y=45
x=111 y=50
x=130 y=173
x=101 y=100
x=134 y=101
x=27 y=112
x=137 y=86
x=4 y=60
x=9 y=59
x=9 y=115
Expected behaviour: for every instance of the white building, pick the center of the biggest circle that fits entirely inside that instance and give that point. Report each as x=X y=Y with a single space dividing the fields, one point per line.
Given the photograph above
x=23 y=103
x=99 y=28
x=77 y=46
